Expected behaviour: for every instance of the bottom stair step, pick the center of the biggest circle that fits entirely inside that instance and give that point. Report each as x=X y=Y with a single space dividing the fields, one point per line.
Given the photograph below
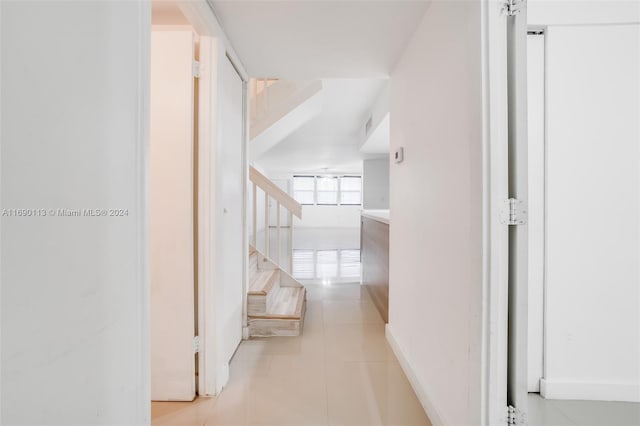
x=285 y=316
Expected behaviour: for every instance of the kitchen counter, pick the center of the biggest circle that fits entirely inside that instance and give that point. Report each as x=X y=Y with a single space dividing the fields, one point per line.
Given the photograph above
x=379 y=215
x=374 y=236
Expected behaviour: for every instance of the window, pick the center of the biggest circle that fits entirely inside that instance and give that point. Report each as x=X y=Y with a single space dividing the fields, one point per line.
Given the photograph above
x=328 y=190
x=351 y=190
x=304 y=189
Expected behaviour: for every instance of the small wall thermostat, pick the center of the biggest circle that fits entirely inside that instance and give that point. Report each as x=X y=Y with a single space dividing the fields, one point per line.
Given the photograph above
x=398 y=156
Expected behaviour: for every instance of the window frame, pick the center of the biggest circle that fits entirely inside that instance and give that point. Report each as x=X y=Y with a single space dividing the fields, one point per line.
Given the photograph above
x=313 y=191
x=338 y=191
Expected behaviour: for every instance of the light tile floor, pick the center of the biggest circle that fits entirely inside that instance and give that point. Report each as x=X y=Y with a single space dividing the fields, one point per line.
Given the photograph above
x=549 y=412
x=341 y=371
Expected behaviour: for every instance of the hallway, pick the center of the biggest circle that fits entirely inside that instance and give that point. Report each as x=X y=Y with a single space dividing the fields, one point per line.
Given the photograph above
x=341 y=371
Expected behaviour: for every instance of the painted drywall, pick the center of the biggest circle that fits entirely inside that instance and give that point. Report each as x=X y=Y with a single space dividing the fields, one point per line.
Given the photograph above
x=435 y=234
x=280 y=110
x=375 y=139
x=329 y=217
x=171 y=194
x=375 y=183
x=592 y=283
x=74 y=321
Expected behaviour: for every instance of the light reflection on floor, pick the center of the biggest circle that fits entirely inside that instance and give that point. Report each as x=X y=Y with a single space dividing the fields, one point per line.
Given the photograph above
x=324 y=256
x=326 y=266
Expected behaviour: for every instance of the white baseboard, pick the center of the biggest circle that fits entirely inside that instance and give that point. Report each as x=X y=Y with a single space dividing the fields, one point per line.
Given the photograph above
x=418 y=388
x=557 y=389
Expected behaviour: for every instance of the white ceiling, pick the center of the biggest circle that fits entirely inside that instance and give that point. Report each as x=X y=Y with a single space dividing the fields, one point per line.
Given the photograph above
x=331 y=140
x=311 y=39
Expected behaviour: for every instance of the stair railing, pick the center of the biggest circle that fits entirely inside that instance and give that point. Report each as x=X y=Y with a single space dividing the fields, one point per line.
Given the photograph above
x=259 y=92
x=283 y=200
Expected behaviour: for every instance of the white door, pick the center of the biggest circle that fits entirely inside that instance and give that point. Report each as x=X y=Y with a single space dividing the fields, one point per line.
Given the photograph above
x=536 y=152
x=171 y=211
x=230 y=245
x=592 y=300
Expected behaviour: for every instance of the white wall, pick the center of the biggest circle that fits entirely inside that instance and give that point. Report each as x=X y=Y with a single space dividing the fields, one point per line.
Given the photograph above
x=171 y=204
x=592 y=282
x=329 y=217
x=74 y=318
x=376 y=140
x=580 y=12
x=375 y=183
x=435 y=234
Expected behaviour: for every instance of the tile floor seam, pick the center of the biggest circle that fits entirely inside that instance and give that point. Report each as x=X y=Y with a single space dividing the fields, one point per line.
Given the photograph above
x=326 y=370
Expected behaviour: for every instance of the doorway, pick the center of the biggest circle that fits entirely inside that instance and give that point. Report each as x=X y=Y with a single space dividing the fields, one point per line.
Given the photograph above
x=583 y=186
x=198 y=168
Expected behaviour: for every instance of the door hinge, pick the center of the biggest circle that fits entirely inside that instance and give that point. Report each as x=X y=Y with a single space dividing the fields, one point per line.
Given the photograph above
x=513 y=7
x=514 y=212
x=515 y=417
x=196 y=69
x=196 y=344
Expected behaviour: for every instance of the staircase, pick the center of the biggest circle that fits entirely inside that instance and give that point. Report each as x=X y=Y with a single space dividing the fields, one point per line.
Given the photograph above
x=276 y=302
x=279 y=108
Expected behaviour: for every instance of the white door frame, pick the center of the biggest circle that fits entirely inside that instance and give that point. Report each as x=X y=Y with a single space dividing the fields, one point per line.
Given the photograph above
x=493 y=349
x=497 y=187
x=517 y=369
x=493 y=357
x=214 y=47
x=505 y=291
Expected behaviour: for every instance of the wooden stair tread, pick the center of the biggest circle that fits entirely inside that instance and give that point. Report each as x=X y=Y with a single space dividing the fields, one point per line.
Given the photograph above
x=262 y=282
x=287 y=304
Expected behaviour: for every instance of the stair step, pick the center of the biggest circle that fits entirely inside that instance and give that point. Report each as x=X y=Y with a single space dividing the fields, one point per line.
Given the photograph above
x=263 y=281
x=253 y=264
x=273 y=309
x=285 y=319
x=287 y=303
